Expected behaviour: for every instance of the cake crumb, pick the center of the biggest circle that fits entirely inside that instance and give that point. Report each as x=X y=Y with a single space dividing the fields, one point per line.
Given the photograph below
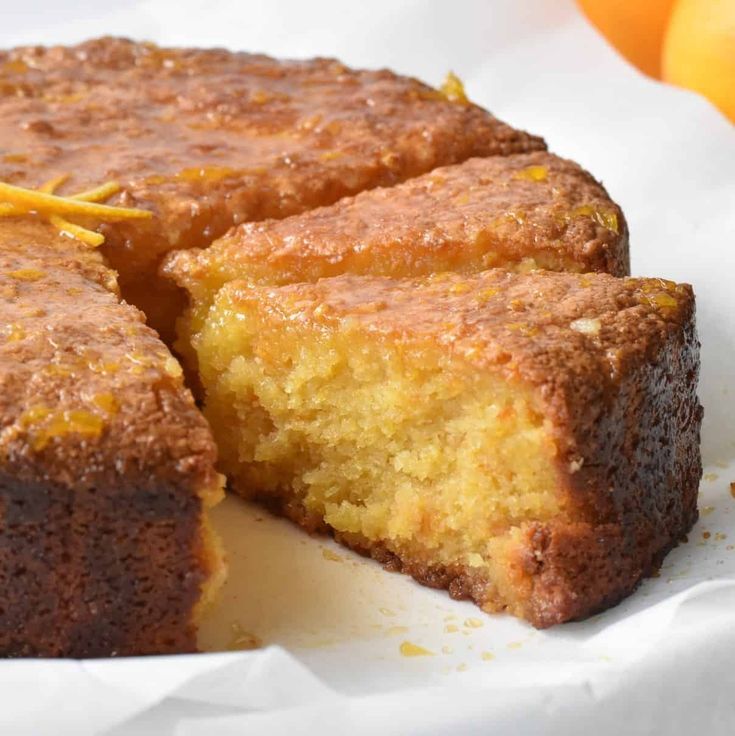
x=461 y=667
x=473 y=623
x=451 y=629
x=408 y=649
x=387 y=612
x=328 y=554
x=487 y=656
x=711 y=477
x=732 y=489
x=394 y=630
x=242 y=640
x=586 y=326
x=707 y=510
x=706 y=535
x=515 y=645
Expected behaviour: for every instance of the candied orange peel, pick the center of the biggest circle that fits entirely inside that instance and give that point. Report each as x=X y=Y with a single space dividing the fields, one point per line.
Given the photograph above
x=18 y=201
x=453 y=89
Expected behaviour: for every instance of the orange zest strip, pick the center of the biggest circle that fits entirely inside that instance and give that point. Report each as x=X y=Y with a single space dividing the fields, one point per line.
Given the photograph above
x=43 y=201
x=98 y=194
x=88 y=237
x=52 y=185
x=30 y=200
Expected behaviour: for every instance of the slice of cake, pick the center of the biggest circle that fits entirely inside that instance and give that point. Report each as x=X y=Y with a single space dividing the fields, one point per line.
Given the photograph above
x=106 y=465
x=207 y=139
x=529 y=441
x=519 y=212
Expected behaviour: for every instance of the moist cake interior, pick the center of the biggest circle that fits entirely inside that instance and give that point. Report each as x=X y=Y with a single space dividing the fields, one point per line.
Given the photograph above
x=443 y=421
x=383 y=444
x=387 y=442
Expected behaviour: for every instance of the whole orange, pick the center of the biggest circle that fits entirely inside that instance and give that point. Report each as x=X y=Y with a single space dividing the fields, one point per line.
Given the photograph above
x=699 y=50
x=634 y=27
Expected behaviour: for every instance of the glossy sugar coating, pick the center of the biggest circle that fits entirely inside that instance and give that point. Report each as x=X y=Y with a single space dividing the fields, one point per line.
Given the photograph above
x=518 y=212
x=209 y=138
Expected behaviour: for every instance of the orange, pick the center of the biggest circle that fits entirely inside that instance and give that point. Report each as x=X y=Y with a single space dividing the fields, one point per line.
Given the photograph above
x=699 y=50
x=635 y=28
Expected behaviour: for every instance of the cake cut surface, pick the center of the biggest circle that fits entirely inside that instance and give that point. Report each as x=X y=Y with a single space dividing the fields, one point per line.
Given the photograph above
x=529 y=441
x=207 y=139
x=106 y=465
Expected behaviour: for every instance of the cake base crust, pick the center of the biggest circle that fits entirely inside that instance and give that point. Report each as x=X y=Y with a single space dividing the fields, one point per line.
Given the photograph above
x=567 y=559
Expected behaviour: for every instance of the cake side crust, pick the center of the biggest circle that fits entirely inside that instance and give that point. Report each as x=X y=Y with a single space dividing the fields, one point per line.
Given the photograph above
x=106 y=465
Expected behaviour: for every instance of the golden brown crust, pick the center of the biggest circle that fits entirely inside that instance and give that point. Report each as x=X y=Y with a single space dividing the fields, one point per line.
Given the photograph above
x=105 y=463
x=104 y=470
x=614 y=363
x=207 y=139
x=520 y=211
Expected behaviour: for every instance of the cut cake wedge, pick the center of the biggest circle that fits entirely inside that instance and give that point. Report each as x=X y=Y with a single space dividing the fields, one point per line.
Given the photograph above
x=518 y=212
x=529 y=441
x=106 y=465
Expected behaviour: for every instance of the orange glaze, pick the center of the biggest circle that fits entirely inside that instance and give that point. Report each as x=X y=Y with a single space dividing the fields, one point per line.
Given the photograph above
x=207 y=139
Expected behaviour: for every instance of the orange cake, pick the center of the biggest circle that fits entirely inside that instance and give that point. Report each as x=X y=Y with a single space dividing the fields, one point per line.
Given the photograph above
x=206 y=139
x=518 y=212
x=529 y=441
x=106 y=466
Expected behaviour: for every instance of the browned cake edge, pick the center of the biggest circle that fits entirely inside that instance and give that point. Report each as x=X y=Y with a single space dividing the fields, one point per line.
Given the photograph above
x=105 y=544
x=101 y=571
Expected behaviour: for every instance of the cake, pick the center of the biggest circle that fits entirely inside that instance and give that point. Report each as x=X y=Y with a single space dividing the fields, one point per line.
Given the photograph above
x=106 y=466
x=520 y=212
x=530 y=441
x=206 y=139
x=198 y=140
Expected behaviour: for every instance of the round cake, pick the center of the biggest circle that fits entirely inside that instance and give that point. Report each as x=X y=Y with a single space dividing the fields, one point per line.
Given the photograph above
x=408 y=325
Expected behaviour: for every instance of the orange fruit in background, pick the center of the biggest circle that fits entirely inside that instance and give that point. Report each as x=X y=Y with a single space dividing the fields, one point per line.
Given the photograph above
x=699 y=50
x=636 y=28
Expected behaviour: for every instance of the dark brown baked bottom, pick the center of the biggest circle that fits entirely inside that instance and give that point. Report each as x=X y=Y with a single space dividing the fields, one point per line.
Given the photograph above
x=106 y=465
x=98 y=572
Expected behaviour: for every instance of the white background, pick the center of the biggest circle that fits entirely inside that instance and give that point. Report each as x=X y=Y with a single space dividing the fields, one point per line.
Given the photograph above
x=662 y=662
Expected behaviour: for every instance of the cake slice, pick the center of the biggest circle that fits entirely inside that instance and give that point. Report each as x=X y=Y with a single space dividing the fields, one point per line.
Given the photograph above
x=106 y=466
x=207 y=138
x=530 y=441
x=519 y=212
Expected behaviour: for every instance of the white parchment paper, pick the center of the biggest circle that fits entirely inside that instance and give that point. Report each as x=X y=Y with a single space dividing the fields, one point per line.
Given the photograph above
x=663 y=662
